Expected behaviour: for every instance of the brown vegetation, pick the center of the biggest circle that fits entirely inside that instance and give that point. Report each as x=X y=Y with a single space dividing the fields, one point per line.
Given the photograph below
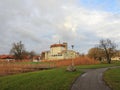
x=77 y=61
x=14 y=67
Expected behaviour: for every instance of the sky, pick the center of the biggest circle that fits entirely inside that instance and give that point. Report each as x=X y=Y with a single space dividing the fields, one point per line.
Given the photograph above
x=40 y=23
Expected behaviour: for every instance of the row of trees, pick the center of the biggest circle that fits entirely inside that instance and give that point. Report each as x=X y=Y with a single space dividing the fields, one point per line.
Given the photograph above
x=106 y=49
x=19 y=52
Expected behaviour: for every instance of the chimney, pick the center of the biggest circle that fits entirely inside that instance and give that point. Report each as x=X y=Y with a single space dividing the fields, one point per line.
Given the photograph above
x=64 y=43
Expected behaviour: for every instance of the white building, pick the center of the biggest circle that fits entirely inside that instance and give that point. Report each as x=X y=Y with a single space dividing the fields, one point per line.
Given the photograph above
x=115 y=59
x=59 y=51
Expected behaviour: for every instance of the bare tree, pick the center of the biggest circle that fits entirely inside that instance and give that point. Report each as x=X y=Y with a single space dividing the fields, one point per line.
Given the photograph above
x=96 y=53
x=32 y=54
x=18 y=50
x=109 y=48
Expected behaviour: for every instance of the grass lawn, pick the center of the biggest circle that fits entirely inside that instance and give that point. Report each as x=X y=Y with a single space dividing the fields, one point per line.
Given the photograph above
x=54 y=79
x=112 y=77
x=98 y=65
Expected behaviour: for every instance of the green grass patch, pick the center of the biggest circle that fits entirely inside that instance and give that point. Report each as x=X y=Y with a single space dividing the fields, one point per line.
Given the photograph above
x=95 y=66
x=54 y=79
x=112 y=78
x=32 y=62
x=98 y=65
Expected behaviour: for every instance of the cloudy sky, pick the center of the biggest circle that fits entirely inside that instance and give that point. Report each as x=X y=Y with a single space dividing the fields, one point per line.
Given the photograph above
x=40 y=23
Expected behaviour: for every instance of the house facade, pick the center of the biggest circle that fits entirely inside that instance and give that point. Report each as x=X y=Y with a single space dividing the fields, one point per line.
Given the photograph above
x=115 y=58
x=59 y=51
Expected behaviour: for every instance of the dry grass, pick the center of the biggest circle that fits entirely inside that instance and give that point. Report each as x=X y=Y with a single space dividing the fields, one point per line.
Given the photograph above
x=14 y=67
x=77 y=61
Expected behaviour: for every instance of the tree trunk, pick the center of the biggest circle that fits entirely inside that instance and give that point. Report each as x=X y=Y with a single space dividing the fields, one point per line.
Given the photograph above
x=109 y=60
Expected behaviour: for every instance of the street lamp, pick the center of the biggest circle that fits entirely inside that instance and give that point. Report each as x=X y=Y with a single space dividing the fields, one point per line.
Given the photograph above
x=71 y=67
x=71 y=56
x=72 y=46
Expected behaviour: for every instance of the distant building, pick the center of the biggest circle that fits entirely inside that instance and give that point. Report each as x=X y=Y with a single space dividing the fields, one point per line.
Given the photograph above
x=59 y=51
x=7 y=57
x=115 y=59
x=36 y=58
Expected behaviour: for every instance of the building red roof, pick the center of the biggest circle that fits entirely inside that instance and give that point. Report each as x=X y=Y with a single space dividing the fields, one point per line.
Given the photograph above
x=6 y=57
x=57 y=45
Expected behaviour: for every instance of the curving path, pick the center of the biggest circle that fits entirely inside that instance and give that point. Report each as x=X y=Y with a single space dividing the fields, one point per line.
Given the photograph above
x=91 y=80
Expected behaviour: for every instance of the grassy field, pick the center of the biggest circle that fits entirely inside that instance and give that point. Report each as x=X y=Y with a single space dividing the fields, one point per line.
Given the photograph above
x=18 y=66
x=112 y=78
x=9 y=68
x=99 y=65
x=54 y=79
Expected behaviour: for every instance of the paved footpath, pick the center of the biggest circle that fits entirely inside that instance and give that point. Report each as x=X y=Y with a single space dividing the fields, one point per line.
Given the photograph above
x=91 y=80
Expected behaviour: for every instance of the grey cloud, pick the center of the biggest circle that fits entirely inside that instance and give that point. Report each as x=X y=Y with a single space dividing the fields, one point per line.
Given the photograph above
x=29 y=35
x=40 y=23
